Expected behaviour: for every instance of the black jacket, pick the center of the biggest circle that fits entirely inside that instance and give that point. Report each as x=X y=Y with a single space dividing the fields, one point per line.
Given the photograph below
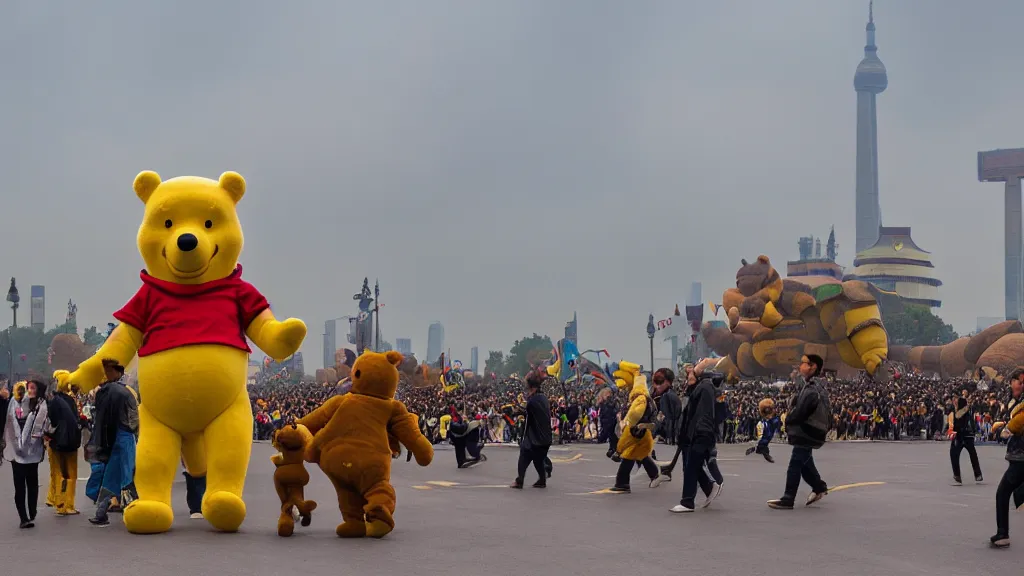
x=112 y=400
x=672 y=408
x=538 y=422
x=67 y=431
x=698 y=426
x=807 y=421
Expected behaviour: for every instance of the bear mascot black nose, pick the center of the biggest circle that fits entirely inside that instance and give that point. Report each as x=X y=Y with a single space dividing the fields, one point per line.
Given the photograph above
x=187 y=242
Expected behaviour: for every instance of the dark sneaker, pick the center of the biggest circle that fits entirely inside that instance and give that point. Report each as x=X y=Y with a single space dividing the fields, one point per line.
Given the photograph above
x=616 y=458
x=620 y=489
x=540 y=484
x=1000 y=541
x=780 y=504
x=979 y=479
x=815 y=496
x=517 y=485
x=99 y=521
x=957 y=481
x=750 y=451
x=769 y=458
x=28 y=524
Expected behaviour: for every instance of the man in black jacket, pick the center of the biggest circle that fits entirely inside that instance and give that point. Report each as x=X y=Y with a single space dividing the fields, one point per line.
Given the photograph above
x=668 y=403
x=65 y=440
x=537 y=435
x=807 y=424
x=698 y=439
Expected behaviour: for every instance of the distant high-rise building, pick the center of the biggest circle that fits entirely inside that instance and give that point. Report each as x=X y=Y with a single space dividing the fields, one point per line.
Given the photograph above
x=474 y=359
x=38 y=307
x=572 y=330
x=404 y=345
x=330 y=342
x=435 y=342
x=869 y=81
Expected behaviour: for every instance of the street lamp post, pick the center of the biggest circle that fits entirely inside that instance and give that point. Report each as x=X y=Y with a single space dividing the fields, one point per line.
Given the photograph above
x=650 y=336
x=13 y=298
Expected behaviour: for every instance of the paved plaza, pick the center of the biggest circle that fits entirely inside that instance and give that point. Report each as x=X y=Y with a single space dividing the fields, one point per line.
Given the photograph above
x=892 y=511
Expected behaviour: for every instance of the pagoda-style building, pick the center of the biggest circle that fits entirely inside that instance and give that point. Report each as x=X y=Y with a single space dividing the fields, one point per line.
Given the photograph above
x=896 y=264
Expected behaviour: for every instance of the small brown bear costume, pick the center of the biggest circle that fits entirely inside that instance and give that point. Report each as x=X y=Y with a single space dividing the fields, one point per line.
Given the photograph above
x=351 y=444
x=290 y=477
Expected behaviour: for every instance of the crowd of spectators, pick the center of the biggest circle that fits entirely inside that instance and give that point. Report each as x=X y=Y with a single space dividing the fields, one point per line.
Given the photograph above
x=908 y=407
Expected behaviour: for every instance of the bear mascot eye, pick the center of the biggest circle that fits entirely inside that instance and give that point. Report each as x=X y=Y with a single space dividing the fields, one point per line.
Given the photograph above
x=357 y=373
x=168 y=223
x=209 y=224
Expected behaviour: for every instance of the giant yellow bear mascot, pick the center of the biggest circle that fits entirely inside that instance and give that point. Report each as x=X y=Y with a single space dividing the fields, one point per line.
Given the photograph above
x=188 y=325
x=355 y=437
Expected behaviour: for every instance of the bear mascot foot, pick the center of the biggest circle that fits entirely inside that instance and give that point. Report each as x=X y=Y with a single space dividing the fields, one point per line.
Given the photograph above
x=285 y=525
x=148 y=517
x=349 y=529
x=224 y=511
x=378 y=528
x=379 y=523
x=306 y=511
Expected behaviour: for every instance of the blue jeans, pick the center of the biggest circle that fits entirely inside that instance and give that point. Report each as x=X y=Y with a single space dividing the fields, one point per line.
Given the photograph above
x=801 y=465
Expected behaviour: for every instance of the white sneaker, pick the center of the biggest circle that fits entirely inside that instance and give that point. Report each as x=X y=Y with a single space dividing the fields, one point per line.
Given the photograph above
x=716 y=489
x=196 y=516
x=657 y=481
x=815 y=496
x=680 y=509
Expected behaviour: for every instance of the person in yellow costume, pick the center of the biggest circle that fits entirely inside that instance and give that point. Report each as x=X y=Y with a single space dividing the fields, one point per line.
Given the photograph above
x=637 y=440
x=188 y=324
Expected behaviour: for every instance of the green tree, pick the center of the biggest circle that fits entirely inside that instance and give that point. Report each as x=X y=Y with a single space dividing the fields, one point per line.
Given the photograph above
x=495 y=363
x=92 y=336
x=916 y=325
x=528 y=352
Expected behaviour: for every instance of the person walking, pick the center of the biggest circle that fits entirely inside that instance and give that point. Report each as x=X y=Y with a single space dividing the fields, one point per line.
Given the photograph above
x=1012 y=483
x=115 y=432
x=537 y=434
x=636 y=445
x=65 y=440
x=27 y=422
x=698 y=439
x=961 y=431
x=807 y=425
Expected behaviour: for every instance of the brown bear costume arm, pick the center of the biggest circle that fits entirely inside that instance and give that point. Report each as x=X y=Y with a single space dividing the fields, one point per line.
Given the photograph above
x=319 y=418
x=1016 y=423
x=403 y=426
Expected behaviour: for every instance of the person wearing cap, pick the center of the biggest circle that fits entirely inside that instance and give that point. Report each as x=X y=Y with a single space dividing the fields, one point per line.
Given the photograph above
x=115 y=432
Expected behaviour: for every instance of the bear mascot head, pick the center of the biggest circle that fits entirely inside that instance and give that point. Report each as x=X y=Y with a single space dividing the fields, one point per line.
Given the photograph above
x=190 y=233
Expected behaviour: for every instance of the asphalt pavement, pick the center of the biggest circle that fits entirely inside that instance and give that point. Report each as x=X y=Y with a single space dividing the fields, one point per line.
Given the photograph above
x=892 y=511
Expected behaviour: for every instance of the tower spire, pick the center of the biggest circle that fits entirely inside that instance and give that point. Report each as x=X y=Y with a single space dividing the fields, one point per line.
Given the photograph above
x=870 y=29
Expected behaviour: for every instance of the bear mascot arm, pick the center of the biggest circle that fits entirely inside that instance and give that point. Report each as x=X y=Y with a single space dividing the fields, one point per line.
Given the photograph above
x=315 y=421
x=122 y=345
x=404 y=427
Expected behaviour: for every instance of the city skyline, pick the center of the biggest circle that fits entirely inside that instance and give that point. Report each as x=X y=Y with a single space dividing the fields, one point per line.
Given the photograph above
x=742 y=111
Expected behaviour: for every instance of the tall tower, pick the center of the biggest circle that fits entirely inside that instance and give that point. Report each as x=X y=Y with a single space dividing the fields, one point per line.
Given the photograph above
x=869 y=81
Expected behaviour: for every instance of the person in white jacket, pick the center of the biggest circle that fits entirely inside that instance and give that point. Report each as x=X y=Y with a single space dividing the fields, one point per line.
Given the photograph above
x=23 y=433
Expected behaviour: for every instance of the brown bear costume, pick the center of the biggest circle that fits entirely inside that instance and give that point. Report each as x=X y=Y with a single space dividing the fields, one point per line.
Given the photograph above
x=351 y=444
x=290 y=477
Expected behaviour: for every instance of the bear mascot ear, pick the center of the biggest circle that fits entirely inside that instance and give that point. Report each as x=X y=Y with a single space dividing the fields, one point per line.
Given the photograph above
x=394 y=357
x=233 y=184
x=145 y=184
x=763 y=259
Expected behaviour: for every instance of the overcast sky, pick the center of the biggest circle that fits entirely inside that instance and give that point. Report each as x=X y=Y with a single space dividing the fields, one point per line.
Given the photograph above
x=499 y=165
